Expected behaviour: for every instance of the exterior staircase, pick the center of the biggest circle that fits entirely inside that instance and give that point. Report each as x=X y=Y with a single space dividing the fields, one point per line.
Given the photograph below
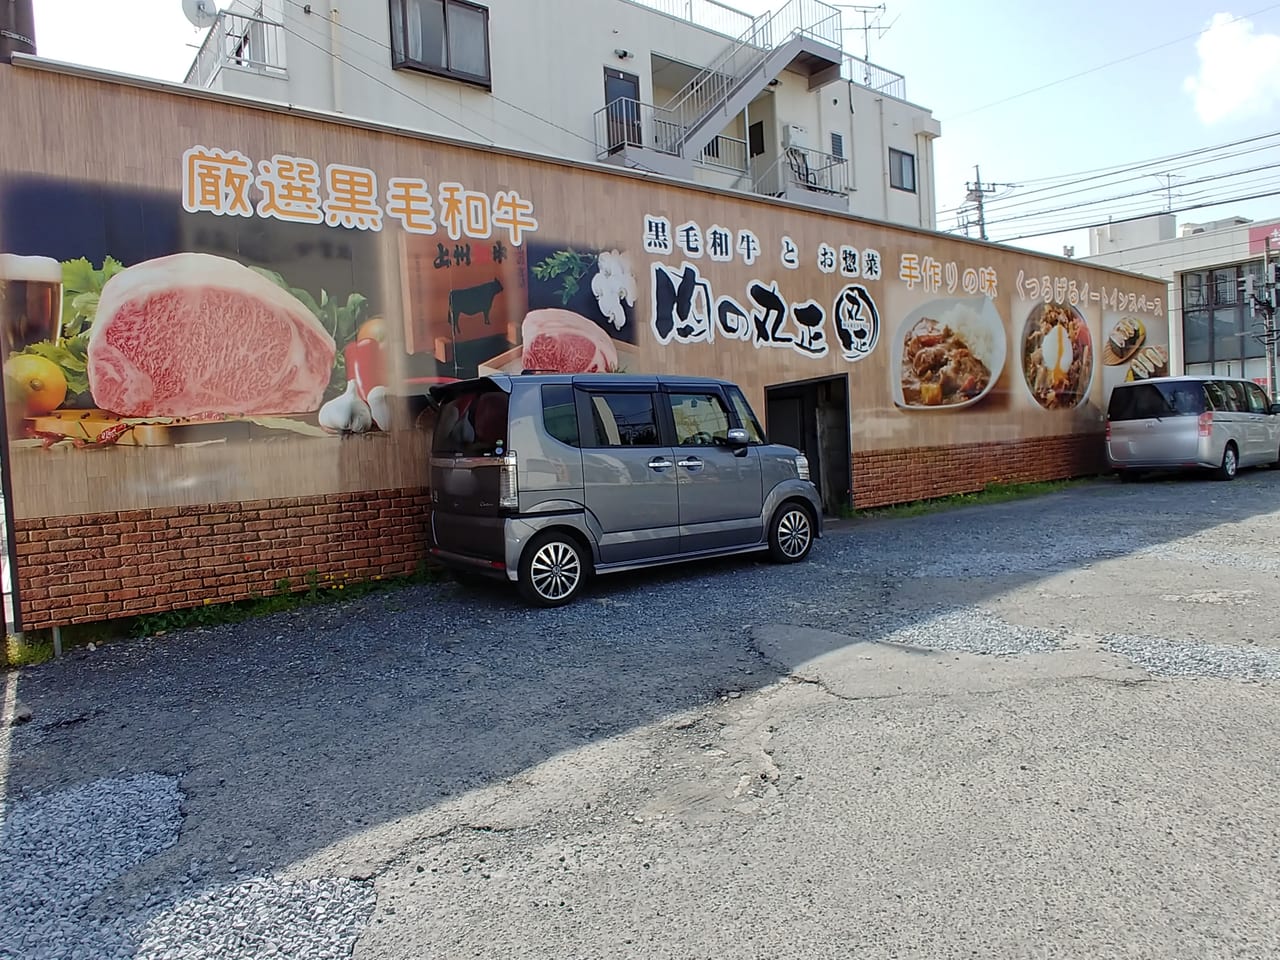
x=802 y=35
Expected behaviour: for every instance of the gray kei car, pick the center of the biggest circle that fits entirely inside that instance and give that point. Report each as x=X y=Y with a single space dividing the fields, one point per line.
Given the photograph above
x=545 y=480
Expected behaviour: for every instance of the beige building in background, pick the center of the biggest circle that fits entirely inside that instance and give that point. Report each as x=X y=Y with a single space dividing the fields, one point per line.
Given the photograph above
x=1212 y=328
x=694 y=89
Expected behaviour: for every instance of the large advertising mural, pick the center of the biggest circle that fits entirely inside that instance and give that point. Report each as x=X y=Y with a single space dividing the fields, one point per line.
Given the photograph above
x=255 y=304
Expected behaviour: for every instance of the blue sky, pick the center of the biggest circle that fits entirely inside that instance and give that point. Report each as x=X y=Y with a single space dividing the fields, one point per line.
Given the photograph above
x=959 y=58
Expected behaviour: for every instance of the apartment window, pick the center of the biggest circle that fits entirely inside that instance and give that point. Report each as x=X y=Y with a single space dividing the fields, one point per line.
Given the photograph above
x=902 y=170
x=448 y=38
x=1217 y=324
x=837 y=145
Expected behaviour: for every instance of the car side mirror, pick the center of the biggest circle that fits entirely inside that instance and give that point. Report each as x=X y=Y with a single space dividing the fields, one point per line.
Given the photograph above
x=737 y=437
x=1275 y=408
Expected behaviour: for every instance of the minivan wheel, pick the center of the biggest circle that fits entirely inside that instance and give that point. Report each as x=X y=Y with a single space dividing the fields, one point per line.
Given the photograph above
x=791 y=533
x=1230 y=463
x=552 y=570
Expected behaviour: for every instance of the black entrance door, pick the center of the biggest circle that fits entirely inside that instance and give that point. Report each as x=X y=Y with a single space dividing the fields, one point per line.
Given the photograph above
x=813 y=417
x=622 y=97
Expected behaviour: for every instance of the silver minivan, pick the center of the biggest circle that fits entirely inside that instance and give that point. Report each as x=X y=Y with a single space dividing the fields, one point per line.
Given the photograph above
x=545 y=480
x=1214 y=423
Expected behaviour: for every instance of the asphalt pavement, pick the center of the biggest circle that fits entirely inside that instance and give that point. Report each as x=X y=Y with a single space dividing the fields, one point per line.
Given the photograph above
x=1040 y=729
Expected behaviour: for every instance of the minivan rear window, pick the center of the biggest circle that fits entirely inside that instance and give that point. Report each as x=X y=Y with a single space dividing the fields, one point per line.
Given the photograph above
x=472 y=424
x=1145 y=401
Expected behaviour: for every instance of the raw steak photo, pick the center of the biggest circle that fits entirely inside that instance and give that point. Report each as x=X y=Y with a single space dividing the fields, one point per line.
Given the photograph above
x=194 y=334
x=560 y=341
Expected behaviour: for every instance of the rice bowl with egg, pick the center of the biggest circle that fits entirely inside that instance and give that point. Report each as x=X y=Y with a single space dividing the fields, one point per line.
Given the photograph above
x=1057 y=356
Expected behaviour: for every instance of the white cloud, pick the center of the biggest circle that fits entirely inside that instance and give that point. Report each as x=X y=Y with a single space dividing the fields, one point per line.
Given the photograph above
x=1239 y=72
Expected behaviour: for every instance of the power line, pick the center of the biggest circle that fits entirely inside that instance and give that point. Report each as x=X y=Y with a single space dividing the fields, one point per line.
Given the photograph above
x=1071 y=180
x=1185 y=209
x=1125 y=196
x=1020 y=201
x=1143 y=209
x=1133 y=264
x=1102 y=66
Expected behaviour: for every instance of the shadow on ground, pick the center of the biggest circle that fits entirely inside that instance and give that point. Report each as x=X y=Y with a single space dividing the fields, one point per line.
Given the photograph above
x=293 y=734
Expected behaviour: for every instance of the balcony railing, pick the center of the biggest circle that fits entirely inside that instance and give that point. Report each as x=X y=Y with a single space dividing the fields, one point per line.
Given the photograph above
x=630 y=123
x=802 y=169
x=709 y=14
x=725 y=153
x=249 y=43
x=877 y=78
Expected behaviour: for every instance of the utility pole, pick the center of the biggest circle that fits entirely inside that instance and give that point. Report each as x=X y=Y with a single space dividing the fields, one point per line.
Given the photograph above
x=978 y=194
x=1263 y=303
x=17 y=28
x=1168 y=188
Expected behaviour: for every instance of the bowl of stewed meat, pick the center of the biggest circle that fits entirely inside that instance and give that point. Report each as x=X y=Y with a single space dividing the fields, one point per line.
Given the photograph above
x=948 y=354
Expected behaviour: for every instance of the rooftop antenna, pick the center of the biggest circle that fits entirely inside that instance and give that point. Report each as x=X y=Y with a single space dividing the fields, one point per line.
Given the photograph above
x=870 y=21
x=201 y=13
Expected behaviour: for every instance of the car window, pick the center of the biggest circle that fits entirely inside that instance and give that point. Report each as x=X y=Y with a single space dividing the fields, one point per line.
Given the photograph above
x=746 y=416
x=1140 y=402
x=701 y=419
x=1218 y=399
x=1185 y=398
x=472 y=424
x=623 y=420
x=1257 y=399
x=1234 y=394
x=560 y=413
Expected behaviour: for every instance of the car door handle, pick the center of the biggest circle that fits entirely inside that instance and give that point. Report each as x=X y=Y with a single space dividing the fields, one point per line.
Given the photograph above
x=693 y=463
x=660 y=463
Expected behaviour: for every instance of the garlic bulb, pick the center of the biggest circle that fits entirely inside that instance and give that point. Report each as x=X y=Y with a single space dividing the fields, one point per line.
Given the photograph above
x=380 y=407
x=347 y=413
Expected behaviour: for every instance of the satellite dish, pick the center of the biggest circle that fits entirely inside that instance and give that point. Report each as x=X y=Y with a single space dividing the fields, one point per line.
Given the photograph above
x=201 y=13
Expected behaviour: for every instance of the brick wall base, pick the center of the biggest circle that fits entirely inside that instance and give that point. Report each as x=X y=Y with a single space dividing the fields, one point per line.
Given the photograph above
x=84 y=569
x=883 y=477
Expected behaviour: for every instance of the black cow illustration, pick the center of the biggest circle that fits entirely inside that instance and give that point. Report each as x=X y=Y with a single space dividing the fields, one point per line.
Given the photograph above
x=471 y=301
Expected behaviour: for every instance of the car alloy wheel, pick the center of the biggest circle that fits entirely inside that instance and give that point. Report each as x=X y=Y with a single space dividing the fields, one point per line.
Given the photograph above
x=553 y=571
x=791 y=535
x=1230 y=463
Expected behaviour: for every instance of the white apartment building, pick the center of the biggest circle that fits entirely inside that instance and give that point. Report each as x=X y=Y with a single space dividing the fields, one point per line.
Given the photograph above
x=1212 y=328
x=692 y=89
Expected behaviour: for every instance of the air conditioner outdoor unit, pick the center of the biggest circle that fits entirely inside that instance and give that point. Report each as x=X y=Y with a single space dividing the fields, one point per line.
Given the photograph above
x=794 y=135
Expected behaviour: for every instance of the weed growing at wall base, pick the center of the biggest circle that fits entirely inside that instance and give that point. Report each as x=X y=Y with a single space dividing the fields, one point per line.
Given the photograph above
x=991 y=493
x=36 y=647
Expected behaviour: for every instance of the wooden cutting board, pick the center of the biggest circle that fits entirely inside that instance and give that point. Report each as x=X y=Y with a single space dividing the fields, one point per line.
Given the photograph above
x=88 y=425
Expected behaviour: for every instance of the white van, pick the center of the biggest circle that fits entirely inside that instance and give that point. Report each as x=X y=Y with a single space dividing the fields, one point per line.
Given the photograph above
x=1213 y=423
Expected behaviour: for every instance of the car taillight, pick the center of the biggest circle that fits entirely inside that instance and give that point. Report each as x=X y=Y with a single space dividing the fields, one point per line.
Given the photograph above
x=1206 y=424
x=1108 y=431
x=508 y=484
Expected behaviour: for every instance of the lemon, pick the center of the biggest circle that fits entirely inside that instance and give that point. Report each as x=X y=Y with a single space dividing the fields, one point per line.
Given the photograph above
x=35 y=383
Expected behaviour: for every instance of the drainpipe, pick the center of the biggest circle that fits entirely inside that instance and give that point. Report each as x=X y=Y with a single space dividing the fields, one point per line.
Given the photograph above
x=335 y=62
x=922 y=144
x=17 y=29
x=884 y=162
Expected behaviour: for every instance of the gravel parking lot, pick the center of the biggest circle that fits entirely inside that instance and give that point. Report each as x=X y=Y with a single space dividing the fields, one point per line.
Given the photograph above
x=1043 y=729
